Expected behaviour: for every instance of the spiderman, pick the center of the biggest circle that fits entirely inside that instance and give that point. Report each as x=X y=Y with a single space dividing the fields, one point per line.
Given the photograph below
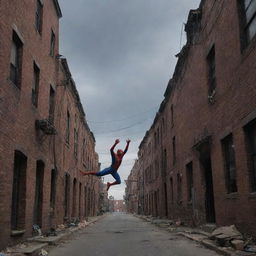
x=116 y=162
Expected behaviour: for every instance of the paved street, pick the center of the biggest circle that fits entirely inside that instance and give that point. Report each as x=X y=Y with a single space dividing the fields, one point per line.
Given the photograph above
x=126 y=235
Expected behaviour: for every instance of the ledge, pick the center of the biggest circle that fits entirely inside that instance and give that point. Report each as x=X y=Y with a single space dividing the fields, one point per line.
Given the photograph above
x=17 y=232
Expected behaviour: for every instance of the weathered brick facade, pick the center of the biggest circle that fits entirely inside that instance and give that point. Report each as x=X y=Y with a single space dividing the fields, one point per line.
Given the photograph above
x=198 y=156
x=44 y=138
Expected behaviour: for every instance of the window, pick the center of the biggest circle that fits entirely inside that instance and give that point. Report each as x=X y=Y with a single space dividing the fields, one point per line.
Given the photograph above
x=19 y=192
x=39 y=16
x=251 y=153
x=68 y=127
x=35 y=85
x=16 y=60
x=51 y=105
x=52 y=46
x=211 y=71
x=248 y=17
x=190 y=183
x=174 y=150
x=229 y=164
x=75 y=142
x=172 y=116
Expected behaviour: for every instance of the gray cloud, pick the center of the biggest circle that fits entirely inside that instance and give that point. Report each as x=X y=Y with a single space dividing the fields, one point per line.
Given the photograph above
x=121 y=55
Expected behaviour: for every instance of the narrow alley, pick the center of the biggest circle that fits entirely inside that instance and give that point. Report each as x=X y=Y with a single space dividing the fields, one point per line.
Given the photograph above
x=123 y=234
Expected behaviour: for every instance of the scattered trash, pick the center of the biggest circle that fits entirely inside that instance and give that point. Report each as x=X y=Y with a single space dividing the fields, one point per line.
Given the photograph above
x=37 y=229
x=43 y=253
x=250 y=248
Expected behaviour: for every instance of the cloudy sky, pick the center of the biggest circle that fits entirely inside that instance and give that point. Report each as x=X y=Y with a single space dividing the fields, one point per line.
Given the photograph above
x=122 y=55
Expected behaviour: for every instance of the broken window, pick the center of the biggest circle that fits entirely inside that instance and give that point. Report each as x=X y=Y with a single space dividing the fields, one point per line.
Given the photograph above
x=35 y=85
x=211 y=72
x=38 y=203
x=39 y=16
x=16 y=60
x=190 y=182
x=52 y=46
x=229 y=163
x=251 y=153
x=68 y=127
x=248 y=18
x=51 y=105
x=19 y=191
x=53 y=188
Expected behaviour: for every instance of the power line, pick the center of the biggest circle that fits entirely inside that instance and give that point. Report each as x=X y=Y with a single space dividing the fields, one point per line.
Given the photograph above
x=129 y=117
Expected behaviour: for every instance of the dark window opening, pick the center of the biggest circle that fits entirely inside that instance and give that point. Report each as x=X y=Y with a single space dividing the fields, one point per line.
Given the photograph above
x=229 y=164
x=51 y=105
x=172 y=196
x=211 y=72
x=35 y=85
x=174 y=150
x=68 y=127
x=75 y=143
x=85 y=201
x=248 y=21
x=39 y=16
x=52 y=46
x=251 y=153
x=190 y=182
x=16 y=60
x=38 y=203
x=80 y=197
x=19 y=192
x=53 y=188
x=172 y=116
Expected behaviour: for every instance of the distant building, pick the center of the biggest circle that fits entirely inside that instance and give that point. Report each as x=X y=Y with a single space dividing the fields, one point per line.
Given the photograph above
x=119 y=206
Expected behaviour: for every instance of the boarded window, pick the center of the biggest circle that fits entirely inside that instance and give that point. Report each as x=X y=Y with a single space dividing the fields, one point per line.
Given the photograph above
x=16 y=60
x=251 y=153
x=211 y=71
x=35 y=85
x=229 y=164
x=19 y=191
x=39 y=16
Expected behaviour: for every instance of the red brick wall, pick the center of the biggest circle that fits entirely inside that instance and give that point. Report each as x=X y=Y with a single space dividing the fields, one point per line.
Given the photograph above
x=18 y=115
x=195 y=119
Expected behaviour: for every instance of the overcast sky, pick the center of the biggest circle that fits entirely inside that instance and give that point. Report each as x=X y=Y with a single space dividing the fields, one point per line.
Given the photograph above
x=122 y=55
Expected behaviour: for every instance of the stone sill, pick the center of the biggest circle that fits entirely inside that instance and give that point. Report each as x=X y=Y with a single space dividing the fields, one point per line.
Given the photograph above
x=252 y=195
x=17 y=232
x=232 y=195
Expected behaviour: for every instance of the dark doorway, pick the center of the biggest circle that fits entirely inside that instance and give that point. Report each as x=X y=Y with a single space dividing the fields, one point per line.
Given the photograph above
x=165 y=201
x=38 y=204
x=205 y=159
x=74 y=207
x=19 y=191
x=66 y=195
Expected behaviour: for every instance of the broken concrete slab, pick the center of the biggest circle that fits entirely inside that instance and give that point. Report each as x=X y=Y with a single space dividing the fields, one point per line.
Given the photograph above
x=230 y=231
x=51 y=240
x=30 y=249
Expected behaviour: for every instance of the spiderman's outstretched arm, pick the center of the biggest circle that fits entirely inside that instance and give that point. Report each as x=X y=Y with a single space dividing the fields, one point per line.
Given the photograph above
x=127 y=145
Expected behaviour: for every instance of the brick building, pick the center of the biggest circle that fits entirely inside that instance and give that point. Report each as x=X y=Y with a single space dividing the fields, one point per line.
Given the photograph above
x=119 y=206
x=198 y=157
x=44 y=138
